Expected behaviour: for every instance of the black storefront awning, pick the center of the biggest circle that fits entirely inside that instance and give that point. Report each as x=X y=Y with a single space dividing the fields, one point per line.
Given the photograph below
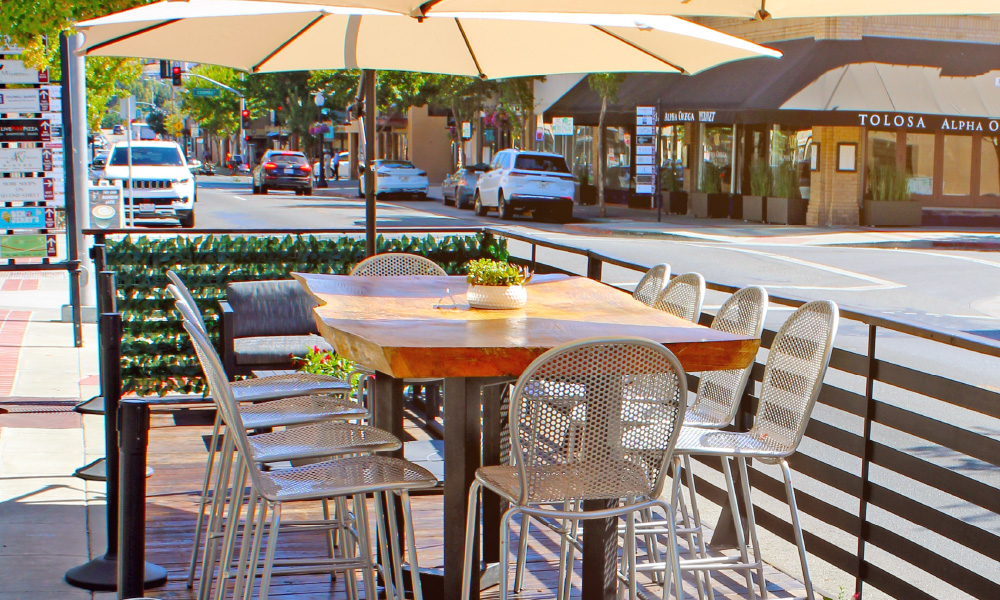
x=820 y=82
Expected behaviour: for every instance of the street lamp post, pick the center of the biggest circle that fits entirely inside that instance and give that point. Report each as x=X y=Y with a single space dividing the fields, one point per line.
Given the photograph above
x=320 y=100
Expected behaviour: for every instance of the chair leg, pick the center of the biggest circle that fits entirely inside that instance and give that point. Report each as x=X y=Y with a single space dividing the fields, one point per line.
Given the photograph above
x=752 y=525
x=203 y=500
x=215 y=517
x=470 y=539
x=570 y=558
x=258 y=538
x=696 y=517
x=504 y=551
x=797 y=528
x=411 y=546
x=672 y=568
x=364 y=538
x=232 y=528
x=389 y=560
x=330 y=542
x=565 y=564
x=397 y=557
x=738 y=523
x=630 y=551
x=272 y=546
x=522 y=552
x=246 y=542
x=347 y=546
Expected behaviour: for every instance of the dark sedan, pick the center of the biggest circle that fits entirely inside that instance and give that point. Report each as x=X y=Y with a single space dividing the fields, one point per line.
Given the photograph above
x=283 y=170
x=460 y=187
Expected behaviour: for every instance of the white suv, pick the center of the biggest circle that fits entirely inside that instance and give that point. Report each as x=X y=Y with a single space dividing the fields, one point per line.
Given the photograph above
x=163 y=186
x=519 y=181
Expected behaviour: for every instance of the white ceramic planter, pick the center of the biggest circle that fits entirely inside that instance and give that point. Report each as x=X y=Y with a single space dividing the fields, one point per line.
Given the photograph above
x=497 y=297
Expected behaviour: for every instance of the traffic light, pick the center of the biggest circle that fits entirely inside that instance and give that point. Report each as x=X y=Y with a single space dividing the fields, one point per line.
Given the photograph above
x=245 y=119
x=164 y=69
x=176 y=73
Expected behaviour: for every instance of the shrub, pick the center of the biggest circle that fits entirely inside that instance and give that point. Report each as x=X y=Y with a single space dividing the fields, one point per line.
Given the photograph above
x=887 y=183
x=760 y=177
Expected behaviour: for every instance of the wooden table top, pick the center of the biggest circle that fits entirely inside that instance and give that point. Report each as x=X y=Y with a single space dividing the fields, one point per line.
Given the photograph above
x=390 y=324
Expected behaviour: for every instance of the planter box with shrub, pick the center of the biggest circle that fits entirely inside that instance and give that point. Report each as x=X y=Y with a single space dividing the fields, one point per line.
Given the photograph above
x=676 y=202
x=787 y=211
x=890 y=204
x=755 y=208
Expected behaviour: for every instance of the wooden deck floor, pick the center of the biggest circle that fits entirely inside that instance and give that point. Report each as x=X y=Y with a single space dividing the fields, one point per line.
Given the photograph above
x=177 y=454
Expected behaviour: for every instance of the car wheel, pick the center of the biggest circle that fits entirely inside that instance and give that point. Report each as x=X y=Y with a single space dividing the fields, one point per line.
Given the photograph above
x=422 y=196
x=263 y=189
x=188 y=221
x=461 y=205
x=478 y=206
x=506 y=210
x=564 y=214
x=308 y=192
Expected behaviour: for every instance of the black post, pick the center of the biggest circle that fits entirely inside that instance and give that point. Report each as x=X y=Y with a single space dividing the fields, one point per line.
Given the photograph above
x=864 y=528
x=106 y=301
x=134 y=573
x=73 y=257
x=102 y=573
x=369 y=86
x=594 y=267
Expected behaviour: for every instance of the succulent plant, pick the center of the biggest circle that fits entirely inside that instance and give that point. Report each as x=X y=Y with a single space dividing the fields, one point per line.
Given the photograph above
x=496 y=273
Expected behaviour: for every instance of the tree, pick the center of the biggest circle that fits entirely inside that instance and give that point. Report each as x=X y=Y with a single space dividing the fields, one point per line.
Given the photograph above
x=29 y=24
x=218 y=115
x=157 y=122
x=607 y=85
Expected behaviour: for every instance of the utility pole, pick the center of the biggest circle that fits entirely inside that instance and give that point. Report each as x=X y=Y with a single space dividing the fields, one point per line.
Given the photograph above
x=369 y=132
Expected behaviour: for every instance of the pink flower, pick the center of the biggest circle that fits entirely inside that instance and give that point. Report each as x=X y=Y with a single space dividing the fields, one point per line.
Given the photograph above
x=856 y=596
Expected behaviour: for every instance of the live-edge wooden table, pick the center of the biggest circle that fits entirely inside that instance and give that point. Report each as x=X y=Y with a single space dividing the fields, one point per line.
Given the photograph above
x=391 y=325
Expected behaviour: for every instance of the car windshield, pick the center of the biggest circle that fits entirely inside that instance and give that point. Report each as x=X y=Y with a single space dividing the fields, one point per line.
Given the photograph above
x=395 y=164
x=144 y=156
x=541 y=162
x=287 y=159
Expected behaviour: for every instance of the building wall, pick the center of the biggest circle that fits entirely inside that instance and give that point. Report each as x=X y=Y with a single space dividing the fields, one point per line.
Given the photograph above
x=834 y=194
x=429 y=143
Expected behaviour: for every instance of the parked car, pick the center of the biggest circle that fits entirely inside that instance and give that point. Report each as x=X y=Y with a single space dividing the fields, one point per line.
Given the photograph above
x=118 y=130
x=162 y=185
x=397 y=177
x=519 y=181
x=283 y=170
x=206 y=168
x=459 y=188
x=97 y=165
x=338 y=165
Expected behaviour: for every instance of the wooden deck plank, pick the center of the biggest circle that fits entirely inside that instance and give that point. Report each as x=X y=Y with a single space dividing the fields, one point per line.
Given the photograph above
x=177 y=454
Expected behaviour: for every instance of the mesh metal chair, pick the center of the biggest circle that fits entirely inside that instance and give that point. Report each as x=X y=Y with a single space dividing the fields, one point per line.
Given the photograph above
x=793 y=378
x=561 y=461
x=683 y=297
x=649 y=287
x=341 y=479
x=397 y=264
x=291 y=410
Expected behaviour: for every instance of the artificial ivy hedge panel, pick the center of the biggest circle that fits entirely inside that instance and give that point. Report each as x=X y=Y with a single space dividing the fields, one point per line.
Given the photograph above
x=157 y=356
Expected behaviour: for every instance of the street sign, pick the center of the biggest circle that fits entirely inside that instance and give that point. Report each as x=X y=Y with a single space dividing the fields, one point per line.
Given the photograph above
x=27 y=246
x=104 y=206
x=26 y=101
x=206 y=92
x=28 y=217
x=14 y=71
x=29 y=189
x=562 y=125
x=645 y=146
x=466 y=130
x=25 y=130
x=25 y=160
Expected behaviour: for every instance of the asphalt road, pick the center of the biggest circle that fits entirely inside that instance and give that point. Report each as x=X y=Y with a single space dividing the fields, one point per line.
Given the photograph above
x=957 y=290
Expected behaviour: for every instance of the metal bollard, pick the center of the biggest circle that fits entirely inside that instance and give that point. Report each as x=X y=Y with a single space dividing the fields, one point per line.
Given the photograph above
x=134 y=573
x=106 y=300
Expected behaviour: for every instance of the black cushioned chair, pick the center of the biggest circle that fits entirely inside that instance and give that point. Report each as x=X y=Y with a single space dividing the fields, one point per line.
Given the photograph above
x=264 y=323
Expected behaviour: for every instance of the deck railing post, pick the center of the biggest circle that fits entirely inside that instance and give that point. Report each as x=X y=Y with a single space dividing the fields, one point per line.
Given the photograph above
x=594 y=266
x=865 y=494
x=134 y=573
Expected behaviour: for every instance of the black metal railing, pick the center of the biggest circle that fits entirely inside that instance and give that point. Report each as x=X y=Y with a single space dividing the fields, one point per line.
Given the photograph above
x=886 y=465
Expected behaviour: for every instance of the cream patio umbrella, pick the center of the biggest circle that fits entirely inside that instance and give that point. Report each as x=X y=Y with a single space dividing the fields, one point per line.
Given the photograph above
x=751 y=9
x=265 y=36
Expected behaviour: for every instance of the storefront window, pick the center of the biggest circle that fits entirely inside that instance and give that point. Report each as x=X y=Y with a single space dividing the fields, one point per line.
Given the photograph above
x=583 y=155
x=789 y=159
x=989 y=167
x=671 y=158
x=881 y=153
x=957 y=165
x=618 y=146
x=717 y=159
x=920 y=163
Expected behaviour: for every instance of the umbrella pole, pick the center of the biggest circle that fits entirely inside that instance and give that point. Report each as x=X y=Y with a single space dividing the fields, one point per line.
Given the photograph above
x=369 y=83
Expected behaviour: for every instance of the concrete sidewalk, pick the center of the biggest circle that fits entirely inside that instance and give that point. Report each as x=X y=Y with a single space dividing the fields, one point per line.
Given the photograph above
x=50 y=521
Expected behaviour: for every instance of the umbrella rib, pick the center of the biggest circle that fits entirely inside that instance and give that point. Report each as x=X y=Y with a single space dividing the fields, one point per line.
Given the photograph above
x=682 y=70
x=127 y=36
x=472 y=52
x=426 y=6
x=256 y=67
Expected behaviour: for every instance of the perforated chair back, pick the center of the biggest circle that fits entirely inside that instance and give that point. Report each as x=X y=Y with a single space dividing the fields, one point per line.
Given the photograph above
x=793 y=375
x=397 y=264
x=183 y=293
x=184 y=307
x=683 y=296
x=555 y=451
x=719 y=392
x=649 y=287
x=222 y=393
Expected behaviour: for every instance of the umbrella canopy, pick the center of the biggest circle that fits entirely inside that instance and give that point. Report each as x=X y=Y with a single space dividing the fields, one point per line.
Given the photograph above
x=707 y=8
x=267 y=36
